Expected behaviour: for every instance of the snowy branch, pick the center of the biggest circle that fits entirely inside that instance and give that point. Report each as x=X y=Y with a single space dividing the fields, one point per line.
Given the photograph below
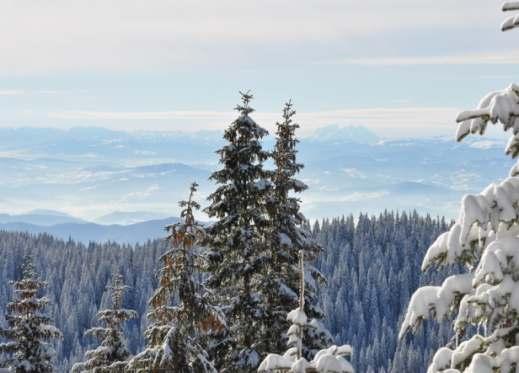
x=513 y=21
x=501 y=106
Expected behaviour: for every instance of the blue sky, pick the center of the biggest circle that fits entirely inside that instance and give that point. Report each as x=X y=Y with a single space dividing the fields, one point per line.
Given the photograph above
x=400 y=67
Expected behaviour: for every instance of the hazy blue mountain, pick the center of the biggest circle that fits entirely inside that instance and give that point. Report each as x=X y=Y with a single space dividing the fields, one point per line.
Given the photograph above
x=96 y=172
x=40 y=217
x=91 y=232
x=100 y=145
x=128 y=217
x=341 y=134
x=418 y=188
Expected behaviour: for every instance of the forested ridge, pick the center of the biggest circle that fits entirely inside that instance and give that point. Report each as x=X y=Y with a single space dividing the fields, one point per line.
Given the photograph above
x=371 y=263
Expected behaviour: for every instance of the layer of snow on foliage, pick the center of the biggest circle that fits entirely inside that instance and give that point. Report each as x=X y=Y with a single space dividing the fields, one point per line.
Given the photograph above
x=435 y=300
x=502 y=106
x=297 y=316
x=441 y=360
x=513 y=21
x=499 y=106
x=479 y=216
x=329 y=363
x=330 y=360
x=274 y=361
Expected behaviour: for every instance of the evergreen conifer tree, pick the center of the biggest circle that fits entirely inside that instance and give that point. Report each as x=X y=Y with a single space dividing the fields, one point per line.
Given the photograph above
x=178 y=334
x=484 y=240
x=110 y=355
x=238 y=241
x=30 y=331
x=289 y=235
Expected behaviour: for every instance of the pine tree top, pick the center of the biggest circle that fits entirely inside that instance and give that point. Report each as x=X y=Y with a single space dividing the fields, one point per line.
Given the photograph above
x=117 y=288
x=246 y=98
x=189 y=206
x=244 y=130
x=28 y=268
x=288 y=113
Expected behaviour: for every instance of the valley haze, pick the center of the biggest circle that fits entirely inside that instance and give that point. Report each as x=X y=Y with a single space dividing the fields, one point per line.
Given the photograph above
x=105 y=177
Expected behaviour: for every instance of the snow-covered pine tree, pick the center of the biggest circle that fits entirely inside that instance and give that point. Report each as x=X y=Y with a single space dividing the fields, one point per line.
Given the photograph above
x=289 y=235
x=485 y=240
x=111 y=354
x=178 y=334
x=30 y=331
x=237 y=240
x=327 y=360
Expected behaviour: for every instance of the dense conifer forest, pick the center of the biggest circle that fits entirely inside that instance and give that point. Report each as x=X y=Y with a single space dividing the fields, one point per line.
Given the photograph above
x=372 y=269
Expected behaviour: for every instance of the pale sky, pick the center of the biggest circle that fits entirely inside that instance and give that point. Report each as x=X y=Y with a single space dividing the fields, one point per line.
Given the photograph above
x=399 y=67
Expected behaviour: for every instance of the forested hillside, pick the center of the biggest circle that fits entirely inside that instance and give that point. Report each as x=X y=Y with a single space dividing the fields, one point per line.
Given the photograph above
x=372 y=266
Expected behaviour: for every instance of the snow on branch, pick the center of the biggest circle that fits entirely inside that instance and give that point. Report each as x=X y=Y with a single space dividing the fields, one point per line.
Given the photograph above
x=500 y=106
x=512 y=21
x=510 y=5
x=471 y=354
x=485 y=239
x=435 y=301
x=332 y=359
x=480 y=215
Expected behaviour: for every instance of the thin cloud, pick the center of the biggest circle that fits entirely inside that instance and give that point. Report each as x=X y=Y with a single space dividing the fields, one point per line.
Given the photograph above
x=138 y=35
x=136 y=115
x=42 y=92
x=11 y=92
x=141 y=194
x=388 y=121
x=346 y=198
x=497 y=58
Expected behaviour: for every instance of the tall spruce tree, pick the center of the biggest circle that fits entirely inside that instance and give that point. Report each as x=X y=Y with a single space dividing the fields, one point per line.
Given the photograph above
x=288 y=235
x=485 y=241
x=237 y=239
x=178 y=334
x=112 y=352
x=30 y=331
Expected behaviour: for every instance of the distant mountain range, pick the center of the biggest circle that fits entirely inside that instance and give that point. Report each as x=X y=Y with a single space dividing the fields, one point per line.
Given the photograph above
x=87 y=232
x=345 y=134
x=128 y=217
x=115 y=177
x=40 y=217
